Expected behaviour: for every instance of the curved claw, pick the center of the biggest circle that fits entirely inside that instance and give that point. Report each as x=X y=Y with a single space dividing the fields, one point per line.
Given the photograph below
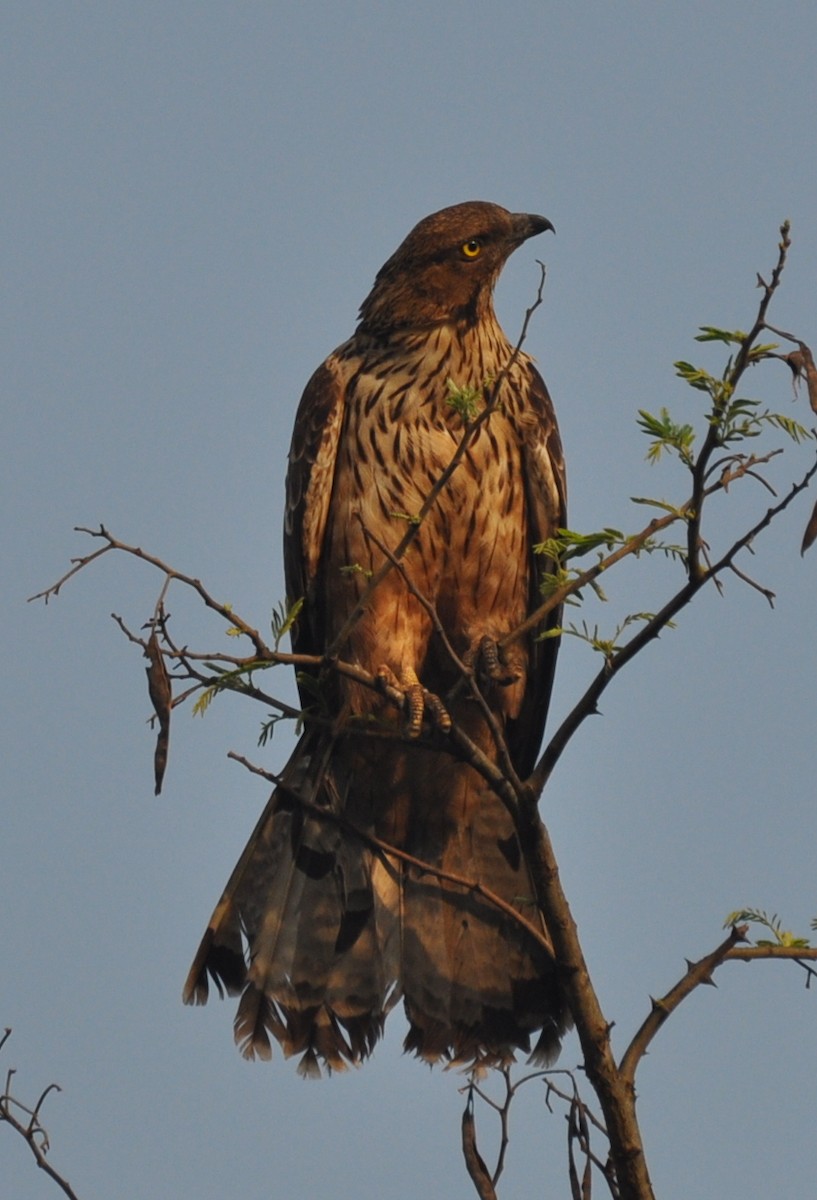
x=439 y=714
x=414 y=700
x=490 y=663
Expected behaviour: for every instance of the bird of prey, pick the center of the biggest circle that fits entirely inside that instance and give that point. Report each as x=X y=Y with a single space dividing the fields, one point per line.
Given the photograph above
x=408 y=886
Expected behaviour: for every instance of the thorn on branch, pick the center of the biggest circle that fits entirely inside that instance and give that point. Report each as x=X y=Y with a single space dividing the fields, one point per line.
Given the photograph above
x=696 y=973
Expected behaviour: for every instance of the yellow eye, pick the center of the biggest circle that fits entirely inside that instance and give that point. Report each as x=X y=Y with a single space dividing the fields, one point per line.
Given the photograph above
x=471 y=248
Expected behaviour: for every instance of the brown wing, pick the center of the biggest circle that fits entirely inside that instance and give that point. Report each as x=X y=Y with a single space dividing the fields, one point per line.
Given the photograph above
x=546 y=498
x=309 y=485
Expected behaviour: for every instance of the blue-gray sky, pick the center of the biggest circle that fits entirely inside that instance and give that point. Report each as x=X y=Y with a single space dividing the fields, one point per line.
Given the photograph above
x=196 y=197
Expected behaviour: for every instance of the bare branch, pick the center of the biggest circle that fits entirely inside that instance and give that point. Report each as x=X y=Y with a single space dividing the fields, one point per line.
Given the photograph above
x=29 y=1126
x=270 y=776
x=764 y=591
x=79 y=564
x=262 y=651
x=750 y=953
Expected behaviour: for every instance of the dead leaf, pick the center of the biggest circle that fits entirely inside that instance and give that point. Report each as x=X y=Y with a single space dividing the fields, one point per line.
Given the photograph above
x=811 y=532
x=801 y=363
x=161 y=697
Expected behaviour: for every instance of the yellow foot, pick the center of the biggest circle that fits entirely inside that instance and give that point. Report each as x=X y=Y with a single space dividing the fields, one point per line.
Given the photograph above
x=415 y=702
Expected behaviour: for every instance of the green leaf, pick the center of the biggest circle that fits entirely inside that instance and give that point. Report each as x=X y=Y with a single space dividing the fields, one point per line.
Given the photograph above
x=283 y=617
x=204 y=701
x=782 y=937
x=467 y=401
x=662 y=504
x=568 y=544
x=268 y=728
x=797 y=432
x=608 y=646
x=695 y=376
x=762 y=350
x=667 y=435
x=710 y=333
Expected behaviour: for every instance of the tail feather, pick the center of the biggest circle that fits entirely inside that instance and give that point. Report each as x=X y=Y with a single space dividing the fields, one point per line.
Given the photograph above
x=257 y=1017
x=336 y=930
x=317 y=909
x=477 y=981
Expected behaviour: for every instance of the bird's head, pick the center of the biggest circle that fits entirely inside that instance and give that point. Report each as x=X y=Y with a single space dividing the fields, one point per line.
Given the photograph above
x=445 y=270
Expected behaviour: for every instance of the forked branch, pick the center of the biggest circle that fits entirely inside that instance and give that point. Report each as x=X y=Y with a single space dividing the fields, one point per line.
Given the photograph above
x=26 y=1122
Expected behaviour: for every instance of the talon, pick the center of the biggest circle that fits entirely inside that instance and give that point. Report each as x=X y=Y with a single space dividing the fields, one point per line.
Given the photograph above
x=387 y=681
x=413 y=703
x=437 y=711
x=412 y=698
x=491 y=664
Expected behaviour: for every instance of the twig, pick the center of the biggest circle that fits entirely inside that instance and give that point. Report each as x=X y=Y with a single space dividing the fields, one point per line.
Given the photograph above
x=32 y=1131
x=557 y=1091
x=712 y=439
x=764 y=591
x=270 y=776
x=262 y=651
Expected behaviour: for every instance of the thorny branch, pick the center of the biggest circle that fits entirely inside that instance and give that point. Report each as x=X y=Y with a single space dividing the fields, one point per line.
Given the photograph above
x=580 y=1117
x=696 y=974
x=731 y=949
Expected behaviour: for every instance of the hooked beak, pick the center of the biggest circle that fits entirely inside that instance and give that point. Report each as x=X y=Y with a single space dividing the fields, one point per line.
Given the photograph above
x=528 y=225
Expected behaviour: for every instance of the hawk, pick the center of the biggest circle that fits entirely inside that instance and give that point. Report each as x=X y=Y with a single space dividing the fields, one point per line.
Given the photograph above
x=327 y=921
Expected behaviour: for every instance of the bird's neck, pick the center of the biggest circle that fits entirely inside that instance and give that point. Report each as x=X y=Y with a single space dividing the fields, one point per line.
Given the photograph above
x=453 y=355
